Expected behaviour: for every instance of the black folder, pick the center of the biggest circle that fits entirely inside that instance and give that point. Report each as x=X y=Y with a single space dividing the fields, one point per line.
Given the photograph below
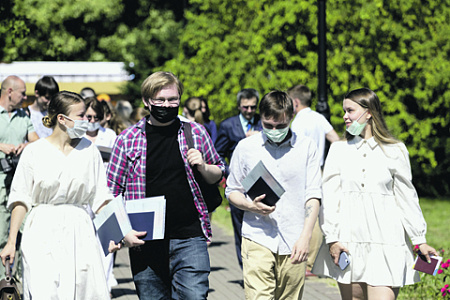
x=260 y=181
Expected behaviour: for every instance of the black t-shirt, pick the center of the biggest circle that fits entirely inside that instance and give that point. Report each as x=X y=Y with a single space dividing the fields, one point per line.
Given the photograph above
x=166 y=175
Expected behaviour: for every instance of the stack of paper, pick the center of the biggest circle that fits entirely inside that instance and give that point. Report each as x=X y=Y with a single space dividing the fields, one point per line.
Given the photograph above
x=148 y=215
x=114 y=221
x=260 y=181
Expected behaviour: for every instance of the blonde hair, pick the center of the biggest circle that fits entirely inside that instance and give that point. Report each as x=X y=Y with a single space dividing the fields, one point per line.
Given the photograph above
x=367 y=99
x=157 y=81
x=194 y=108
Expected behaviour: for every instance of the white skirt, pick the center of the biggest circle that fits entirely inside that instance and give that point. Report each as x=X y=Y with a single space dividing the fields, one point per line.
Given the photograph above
x=374 y=264
x=61 y=259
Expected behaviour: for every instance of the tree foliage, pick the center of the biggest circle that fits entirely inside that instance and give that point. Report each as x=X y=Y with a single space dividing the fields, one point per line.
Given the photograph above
x=141 y=33
x=401 y=50
x=230 y=45
x=398 y=48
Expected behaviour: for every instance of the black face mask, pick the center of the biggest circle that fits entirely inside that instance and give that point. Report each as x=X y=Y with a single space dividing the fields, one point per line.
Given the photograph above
x=164 y=114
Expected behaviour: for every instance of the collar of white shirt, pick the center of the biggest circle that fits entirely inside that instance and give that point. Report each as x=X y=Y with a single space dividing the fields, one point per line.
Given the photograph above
x=359 y=141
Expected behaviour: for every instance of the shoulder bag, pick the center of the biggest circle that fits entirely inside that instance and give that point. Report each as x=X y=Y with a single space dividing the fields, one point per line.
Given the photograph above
x=210 y=192
x=8 y=287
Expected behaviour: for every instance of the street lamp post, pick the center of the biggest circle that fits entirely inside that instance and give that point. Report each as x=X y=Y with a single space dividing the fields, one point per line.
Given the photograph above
x=322 y=104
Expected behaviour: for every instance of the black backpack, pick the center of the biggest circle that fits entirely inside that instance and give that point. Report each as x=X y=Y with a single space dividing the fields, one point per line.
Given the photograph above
x=210 y=192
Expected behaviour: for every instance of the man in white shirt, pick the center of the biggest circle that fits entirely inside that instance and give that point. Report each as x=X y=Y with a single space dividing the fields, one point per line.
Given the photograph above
x=309 y=122
x=275 y=239
x=44 y=89
x=314 y=125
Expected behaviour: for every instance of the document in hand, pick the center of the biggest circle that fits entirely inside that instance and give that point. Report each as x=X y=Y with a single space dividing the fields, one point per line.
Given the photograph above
x=112 y=223
x=105 y=152
x=148 y=214
x=422 y=265
x=260 y=181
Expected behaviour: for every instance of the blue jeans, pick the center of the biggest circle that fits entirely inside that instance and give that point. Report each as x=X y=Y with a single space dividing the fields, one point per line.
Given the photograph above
x=171 y=269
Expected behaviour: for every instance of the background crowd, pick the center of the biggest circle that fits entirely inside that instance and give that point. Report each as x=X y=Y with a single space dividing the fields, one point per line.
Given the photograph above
x=93 y=152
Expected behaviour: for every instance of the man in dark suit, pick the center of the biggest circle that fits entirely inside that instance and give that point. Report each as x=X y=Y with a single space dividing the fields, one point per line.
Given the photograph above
x=231 y=131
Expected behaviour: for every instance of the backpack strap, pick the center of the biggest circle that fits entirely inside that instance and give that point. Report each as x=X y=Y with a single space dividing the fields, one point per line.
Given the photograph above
x=188 y=135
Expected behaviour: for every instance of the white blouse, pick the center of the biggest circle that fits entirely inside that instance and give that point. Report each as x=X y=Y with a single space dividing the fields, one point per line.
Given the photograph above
x=46 y=176
x=371 y=206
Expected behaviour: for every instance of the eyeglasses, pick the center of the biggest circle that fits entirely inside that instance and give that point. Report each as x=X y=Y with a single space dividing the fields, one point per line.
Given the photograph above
x=247 y=107
x=89 y=117
x=161 y=101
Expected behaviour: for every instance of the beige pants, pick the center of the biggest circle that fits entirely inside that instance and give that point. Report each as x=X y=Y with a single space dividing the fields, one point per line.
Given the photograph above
x=314 y=245
x=270 y=276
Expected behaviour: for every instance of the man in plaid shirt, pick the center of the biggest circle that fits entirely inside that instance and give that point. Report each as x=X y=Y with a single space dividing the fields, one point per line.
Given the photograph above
x=152 y=158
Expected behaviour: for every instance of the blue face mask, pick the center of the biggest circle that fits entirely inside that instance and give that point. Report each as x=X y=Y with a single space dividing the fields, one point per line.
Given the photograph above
x=276 y=135
x=356 y=128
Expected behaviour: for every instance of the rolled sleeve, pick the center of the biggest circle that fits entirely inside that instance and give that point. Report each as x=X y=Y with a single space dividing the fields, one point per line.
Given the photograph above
x=22 y=185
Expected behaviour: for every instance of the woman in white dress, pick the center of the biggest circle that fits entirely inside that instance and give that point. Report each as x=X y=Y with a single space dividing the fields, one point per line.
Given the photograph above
x=55 y=178
x=370 y=209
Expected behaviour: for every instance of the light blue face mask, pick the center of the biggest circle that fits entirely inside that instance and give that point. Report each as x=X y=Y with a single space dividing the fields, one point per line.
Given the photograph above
x=276 y=135
x=79 y=128
x=356 y=128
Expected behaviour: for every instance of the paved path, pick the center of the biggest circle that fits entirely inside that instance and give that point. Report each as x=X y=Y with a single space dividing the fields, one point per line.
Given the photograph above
x=225 y=280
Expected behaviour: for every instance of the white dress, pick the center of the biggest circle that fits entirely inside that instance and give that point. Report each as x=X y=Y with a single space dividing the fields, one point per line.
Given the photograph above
x=370 y=205
x=61 y=259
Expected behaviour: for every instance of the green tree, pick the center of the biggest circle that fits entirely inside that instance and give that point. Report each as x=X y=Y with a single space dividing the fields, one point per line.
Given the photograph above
x=61 y=30
x=143 y=34
x=398 y=48
x=230 y=45
x=12 y=28
x=401 y=50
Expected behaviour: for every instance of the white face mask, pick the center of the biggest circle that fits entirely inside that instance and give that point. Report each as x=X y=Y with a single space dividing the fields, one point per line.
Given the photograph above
x=93 y=126
x=79 y=128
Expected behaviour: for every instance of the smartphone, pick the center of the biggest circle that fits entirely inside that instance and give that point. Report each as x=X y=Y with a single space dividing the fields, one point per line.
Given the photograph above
x=344 y=261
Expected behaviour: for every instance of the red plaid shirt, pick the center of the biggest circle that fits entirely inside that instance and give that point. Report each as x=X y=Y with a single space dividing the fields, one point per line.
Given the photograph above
x=126 y=169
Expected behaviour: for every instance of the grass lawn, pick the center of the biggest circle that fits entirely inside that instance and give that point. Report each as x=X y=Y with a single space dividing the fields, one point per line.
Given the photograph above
x=437 y=215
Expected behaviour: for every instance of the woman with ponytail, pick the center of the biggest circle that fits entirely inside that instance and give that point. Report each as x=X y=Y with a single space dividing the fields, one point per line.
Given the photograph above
x=56 y=177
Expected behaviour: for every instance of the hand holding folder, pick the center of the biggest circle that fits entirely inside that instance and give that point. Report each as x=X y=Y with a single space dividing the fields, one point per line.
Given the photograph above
x=148 y=214
x=260 y=181
x=112 y=223
x=422 y=265
x=115 y=221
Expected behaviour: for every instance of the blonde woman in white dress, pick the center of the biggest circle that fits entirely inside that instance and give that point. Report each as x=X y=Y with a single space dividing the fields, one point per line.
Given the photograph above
x=56 y=177
x=370 y=208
